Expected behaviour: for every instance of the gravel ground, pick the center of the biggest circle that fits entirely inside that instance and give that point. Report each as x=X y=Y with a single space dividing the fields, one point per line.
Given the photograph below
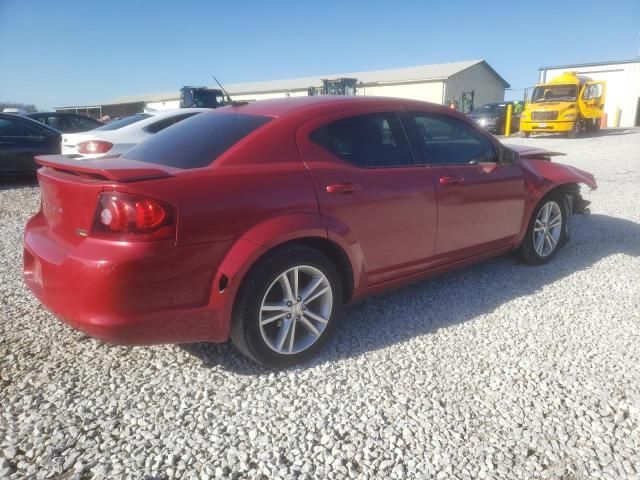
x=499 y=370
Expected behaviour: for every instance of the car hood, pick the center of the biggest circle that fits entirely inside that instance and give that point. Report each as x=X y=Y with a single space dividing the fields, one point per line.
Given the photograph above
x=525 y=151
x=537 y=162
x=483 y=115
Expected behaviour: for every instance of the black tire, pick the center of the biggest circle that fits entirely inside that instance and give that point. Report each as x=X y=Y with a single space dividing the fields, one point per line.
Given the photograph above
x=245 y=328
x=526 y=134
x=527 y=251
x=575 y=131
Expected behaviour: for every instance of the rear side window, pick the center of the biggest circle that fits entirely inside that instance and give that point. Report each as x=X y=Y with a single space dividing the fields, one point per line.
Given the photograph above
x=166 y=122
x=123 y=122
x=16 y=128
x=444 y=140
x=80 y=124
x=196 y=141
x=373 y=140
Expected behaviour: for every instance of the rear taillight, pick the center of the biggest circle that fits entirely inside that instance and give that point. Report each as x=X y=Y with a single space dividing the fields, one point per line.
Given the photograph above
x=94 y=146
x=128 y=217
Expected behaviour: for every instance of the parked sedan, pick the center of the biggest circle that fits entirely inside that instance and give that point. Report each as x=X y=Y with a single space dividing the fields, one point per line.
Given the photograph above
x=257 y=222
x=66 y=122
x=492 y=116
x=118 y=136
x=22 y=138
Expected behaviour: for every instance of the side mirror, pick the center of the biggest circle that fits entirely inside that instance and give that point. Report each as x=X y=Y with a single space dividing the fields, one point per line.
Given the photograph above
x=507 y=156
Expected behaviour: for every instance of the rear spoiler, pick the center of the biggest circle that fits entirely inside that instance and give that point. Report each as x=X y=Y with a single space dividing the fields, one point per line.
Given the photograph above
x=105 y=168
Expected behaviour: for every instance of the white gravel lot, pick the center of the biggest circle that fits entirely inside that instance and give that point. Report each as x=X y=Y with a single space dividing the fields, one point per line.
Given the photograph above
x=499 y=370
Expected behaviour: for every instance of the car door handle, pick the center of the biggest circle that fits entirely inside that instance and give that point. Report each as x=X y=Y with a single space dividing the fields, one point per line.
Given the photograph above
x=343 y=188
x=451 y=180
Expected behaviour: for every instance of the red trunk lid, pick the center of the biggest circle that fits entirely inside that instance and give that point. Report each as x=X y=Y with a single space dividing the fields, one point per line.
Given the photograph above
x=69 y=190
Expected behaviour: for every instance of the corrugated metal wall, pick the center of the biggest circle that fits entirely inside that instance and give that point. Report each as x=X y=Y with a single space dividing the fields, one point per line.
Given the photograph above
x=425 y=91
x=479 y=79
x=623 y=87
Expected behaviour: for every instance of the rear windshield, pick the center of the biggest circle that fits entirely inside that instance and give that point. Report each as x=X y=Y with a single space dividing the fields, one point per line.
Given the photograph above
x=123 y=122
x=196 y=141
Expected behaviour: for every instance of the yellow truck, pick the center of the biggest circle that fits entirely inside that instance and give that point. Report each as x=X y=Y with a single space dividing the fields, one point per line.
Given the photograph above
x=569 y=103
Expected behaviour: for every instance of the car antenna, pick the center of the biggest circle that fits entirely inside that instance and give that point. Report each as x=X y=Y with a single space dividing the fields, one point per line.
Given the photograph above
x=229 y=99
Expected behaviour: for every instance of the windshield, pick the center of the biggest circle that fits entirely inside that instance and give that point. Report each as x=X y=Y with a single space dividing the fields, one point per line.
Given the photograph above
x=490 y=108
x=555 y=93
x=123 y=122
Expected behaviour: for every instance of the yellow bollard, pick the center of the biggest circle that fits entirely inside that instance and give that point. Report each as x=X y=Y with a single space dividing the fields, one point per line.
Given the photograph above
x=507 y=123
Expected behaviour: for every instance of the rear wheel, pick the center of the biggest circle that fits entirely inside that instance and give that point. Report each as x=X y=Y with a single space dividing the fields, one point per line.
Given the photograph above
x=285 y=308
x=546 y=232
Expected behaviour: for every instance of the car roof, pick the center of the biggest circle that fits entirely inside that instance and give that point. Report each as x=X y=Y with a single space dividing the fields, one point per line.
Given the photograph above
x=149 y=118
x=279 y=107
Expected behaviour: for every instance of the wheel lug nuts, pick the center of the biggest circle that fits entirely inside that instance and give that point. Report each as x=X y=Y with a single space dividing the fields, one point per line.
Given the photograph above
x=288 y=315
x=289 y=304
x=297 y=317
x=299 y=298
x=304 y=307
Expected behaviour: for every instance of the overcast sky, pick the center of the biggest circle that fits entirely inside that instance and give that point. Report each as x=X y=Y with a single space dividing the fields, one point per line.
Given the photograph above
x=55 y=53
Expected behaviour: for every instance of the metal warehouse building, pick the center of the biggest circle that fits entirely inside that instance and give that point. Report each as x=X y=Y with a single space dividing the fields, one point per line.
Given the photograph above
x=623 y=87
x=440 y=83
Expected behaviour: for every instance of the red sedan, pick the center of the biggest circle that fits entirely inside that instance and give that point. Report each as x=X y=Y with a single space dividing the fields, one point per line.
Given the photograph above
x=256 y=222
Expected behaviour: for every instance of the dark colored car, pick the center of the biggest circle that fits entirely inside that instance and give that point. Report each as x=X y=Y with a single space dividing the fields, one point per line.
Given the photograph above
x=22 y=138
x=257 y=222
x=492 y=116
x=66 y=122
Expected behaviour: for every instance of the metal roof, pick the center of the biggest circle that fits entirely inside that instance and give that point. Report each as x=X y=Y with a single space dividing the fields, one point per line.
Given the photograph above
x=422 y=73
x=593 y=64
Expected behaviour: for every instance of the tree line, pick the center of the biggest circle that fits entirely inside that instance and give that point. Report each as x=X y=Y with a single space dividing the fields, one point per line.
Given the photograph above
x=28 y=107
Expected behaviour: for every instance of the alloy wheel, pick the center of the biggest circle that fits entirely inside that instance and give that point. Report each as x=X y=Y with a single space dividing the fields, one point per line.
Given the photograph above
x=295 y=309
x=547 y=229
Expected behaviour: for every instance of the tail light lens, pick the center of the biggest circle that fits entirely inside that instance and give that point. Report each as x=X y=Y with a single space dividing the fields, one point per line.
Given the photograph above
x=128 y=217
x=94 y=146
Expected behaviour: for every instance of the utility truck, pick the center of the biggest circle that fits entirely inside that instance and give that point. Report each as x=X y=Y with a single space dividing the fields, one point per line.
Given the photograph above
x=570 y=103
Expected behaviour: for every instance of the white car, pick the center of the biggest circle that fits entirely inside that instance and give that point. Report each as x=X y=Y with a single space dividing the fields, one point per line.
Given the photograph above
x=119 y=136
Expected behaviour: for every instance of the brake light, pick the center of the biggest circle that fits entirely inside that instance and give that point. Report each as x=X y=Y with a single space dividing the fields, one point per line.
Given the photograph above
x=94 y=146
x=128 y=217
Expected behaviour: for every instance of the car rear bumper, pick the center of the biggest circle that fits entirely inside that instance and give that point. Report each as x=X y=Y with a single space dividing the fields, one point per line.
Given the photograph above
x=549 y=126
x=130 y=293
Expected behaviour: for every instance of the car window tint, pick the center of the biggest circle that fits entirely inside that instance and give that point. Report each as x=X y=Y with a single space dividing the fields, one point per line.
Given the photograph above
x=16 y=128
x=51 y=121
x=196 y=141
x=373 y=140
x=80 y=124
x=444 y=140
x=166 y=122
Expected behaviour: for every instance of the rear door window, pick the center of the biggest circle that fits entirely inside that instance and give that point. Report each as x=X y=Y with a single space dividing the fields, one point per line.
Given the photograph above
x=10 y=127
x=197 y=141
x=373 y=140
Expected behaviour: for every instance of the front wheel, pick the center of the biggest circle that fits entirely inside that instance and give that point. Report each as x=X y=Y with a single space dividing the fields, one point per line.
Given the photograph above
x=546 y=232
x=285 y=308
x=575 y=131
